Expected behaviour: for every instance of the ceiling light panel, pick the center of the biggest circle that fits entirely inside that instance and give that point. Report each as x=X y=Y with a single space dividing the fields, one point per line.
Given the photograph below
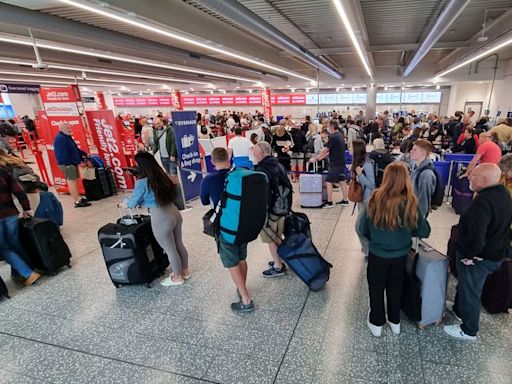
x=12 y=39
x=161 y=29
x=105 y=72
x=350 y=31
x=58 y=82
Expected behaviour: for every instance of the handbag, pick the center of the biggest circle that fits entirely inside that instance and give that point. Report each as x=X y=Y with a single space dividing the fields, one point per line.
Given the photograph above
x=355 y=190
x=211 y=221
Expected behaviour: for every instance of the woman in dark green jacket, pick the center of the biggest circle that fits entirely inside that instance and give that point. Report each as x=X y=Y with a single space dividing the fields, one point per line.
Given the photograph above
x=389 y=222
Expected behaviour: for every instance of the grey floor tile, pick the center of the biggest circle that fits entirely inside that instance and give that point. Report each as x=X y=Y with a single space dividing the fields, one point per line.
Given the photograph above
x=121 y=373
x=303 y=352
x=441 y=373
x=14 y=378
x=292 y=374
x=229 y=368
x=404 y=370
x=185 y=334
x=323 y=377
x=49 y=363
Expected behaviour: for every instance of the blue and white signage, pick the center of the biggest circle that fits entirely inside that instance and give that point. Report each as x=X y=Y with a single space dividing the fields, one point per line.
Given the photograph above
x=189 y=159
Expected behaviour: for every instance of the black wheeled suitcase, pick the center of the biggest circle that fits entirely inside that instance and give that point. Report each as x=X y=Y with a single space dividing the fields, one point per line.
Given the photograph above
x=497 y=292
x=93 y=189
x=3 y=290
x=128 y=253
x=44 y=245
x=161 y=258
x=106 y=179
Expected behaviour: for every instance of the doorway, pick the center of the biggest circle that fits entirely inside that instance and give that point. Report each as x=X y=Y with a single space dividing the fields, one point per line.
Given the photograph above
x=475 y=106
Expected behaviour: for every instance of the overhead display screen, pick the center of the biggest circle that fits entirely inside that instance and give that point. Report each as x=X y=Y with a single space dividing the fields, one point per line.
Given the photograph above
x=408 y=97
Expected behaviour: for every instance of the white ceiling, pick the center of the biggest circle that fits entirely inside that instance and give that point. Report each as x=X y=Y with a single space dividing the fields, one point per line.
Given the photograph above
x=391 y=26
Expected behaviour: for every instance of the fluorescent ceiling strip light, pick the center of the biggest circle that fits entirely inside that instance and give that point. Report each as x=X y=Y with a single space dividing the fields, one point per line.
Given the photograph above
x=350 y=31
x=106 y=72
x=485 y=53
x=51 y=75
x=126 y=59
x=161 y=30
x=60 y=82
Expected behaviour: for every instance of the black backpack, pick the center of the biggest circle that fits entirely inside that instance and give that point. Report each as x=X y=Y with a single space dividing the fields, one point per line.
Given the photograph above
x=267 y=135
x=282 y=195
x=310 y=145
x=380 y=162
x=299 y=140
x=436 y=200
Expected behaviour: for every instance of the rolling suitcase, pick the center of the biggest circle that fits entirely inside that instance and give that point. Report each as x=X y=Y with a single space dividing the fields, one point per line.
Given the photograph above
x=128 y=253
x=161 y=258
x=93 y=189
x=3 y=290
x=301 y=255
x=497 y=292
x=44 y=245
x=462 y=196
x=431 y=269
x=104 y=175
x=102 y=186
x=311 y=189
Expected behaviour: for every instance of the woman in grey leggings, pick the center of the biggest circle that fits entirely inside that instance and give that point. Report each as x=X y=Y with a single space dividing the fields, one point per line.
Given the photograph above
x=154 y=190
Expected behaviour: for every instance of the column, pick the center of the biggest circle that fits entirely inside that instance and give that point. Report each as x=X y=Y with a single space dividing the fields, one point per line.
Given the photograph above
x=266 y=104
x=176 y=100
x=371 y=102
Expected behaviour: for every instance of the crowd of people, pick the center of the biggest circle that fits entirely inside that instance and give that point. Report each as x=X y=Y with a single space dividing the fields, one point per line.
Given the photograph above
x=391 y=160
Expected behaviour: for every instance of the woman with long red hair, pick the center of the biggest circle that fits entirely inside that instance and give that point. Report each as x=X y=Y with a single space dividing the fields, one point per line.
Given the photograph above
x=389 y=222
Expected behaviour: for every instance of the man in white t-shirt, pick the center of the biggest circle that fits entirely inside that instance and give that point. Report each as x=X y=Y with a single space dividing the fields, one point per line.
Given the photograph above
x=239 y=148
x=231 y=122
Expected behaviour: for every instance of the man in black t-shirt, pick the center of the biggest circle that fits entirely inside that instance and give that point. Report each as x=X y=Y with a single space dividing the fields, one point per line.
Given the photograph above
x=335 y=149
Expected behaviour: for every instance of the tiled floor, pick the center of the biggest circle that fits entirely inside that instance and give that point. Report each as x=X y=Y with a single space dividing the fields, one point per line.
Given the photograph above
x=77 y=328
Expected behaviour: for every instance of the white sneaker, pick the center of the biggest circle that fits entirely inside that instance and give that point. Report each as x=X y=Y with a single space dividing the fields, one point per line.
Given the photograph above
x=395 y=328
x=455 y=331
x=449 y=306
x=168 y=282
x=375 y=330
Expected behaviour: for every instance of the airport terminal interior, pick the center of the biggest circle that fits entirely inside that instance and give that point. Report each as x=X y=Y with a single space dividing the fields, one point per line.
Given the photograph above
x=102 y=67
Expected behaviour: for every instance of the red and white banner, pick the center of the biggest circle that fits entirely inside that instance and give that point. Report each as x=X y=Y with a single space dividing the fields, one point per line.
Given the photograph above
x=107 y=137
x=176 y=100
x=211 y=100
x=100 y=100
x=266 y=103
x=60 y=105
x=57 y=95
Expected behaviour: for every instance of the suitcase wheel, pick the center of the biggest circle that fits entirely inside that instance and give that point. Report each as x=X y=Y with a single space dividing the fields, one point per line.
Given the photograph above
x=148 y=285
x=117 y=285
x=69 y=265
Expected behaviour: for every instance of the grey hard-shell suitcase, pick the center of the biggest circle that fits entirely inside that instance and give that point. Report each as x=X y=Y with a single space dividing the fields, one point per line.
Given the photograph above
x=432 y=270
x=312 y=189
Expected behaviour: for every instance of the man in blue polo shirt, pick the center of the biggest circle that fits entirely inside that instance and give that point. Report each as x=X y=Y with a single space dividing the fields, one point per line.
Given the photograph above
x=69 y=157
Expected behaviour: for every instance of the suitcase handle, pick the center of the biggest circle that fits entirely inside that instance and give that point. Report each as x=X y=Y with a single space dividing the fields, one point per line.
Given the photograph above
x=131 y=220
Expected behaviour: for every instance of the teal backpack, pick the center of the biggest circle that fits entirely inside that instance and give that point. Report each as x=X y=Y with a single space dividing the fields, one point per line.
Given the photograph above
x=243 y=206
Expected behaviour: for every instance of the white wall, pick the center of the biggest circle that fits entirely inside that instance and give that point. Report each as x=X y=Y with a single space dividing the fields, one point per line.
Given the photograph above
x=25 y=103
x=501 y=99
x=467 y=91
